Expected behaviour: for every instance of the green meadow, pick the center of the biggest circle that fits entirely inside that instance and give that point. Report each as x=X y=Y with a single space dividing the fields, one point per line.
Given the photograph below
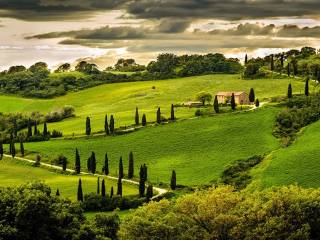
x=198 y=149
x=297 y=164
x=16 y=172
x=121 y=99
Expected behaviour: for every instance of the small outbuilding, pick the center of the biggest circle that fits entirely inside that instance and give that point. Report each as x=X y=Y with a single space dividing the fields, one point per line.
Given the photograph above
x=239 y=97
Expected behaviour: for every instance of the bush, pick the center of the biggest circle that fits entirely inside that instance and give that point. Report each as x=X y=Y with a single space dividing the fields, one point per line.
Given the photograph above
x=56 y=134
x=59 y=115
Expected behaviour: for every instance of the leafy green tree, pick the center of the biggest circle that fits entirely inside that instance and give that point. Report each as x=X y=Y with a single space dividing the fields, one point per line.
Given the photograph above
x=112 y=129
x=119 y=190
x=204 y=97
x=21 y=148
x=98 y=185
x=93 y=163
x=149 y=193
x=80 y=193
x=173 y=183
x=306 y=88
x=289 y=91
x=233 y=102
x=158 y=116
x=103 y=188
x=63 y=68
x=131 y=166
x=45 y=129
x=251 y=95
x=257 y=103
x=137 y=116
x=121 y=175
x=88 y=126
x=77 y=165
x=106 y=125
x=144 y=120
x=172 y=113
x=106 y=165
x=216 y=104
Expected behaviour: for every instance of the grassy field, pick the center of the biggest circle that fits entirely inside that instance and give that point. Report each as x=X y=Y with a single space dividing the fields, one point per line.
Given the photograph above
x=14 y=173
x=122 y=99
x=297 y=164
x=198 y=149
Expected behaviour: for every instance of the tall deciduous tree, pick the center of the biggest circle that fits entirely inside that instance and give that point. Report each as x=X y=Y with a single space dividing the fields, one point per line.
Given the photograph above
x=106 y=165
x=77 y=165
x=306 y=88
x=233 y=102
x=119 y=190
x=289 y=91
x=216 y=104
x=159 y=116
x=121 y=175
x=252 y=96
x=131 y=166
x=137 y=118
x=172 y=117
x=79 y=192
x=144 y=120
x=173 y=183
x=103 y=188
x=106 y=125
x=88 y=126
x=111 y=124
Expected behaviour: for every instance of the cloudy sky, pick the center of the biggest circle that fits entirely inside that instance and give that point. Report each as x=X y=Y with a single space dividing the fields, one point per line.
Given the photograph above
x=102 y=31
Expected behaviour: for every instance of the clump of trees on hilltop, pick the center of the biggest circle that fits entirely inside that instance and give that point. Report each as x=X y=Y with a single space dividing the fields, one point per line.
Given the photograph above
x=36 y=81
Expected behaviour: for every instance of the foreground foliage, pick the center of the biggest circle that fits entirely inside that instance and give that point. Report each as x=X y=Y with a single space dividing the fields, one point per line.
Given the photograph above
x=221 y=213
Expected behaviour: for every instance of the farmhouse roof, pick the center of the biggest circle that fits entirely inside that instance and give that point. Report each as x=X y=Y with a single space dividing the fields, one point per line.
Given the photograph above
x=228 y=94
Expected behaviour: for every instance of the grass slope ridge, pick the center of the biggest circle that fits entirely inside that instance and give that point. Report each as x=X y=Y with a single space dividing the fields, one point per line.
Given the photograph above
x=198 y=149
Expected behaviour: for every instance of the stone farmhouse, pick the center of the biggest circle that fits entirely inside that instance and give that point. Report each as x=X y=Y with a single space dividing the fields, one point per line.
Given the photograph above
x=240 y=97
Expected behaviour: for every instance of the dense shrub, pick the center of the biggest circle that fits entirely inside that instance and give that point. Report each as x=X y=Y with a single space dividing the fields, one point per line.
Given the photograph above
x=59 y=115
x=56 y=134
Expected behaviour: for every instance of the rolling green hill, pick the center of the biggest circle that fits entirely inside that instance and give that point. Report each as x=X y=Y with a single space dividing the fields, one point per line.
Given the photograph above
x=198 y=149
x=122 y=99
x=15 y=172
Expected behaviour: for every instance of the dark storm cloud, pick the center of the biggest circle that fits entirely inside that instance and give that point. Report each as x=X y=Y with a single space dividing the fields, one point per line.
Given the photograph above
x=104 y=33
x=173 y=26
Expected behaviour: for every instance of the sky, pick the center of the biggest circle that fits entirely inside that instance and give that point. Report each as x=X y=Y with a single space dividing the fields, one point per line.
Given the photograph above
x=102 y=31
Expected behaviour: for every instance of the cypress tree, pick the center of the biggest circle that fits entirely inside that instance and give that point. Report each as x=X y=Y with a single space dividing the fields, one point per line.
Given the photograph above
x=172 y=113
x=21 y=148
x=173 y=183
x=93 y=163
x=98 y=185
x=144 y=120
x=131 y=166
x=111 y=192
x=288 y=70
x=103 y=188
x=137 y=116
x=13 y=150
x=289 y=91
x=79 y=193
x=216 y=104
x=106 y=125
x=246 y=59
x=45 y=129
x=1 y=150
x=35 y=128
x=89 y=164
x=158 y=116
x=149 y=193
x=142 y=187
x=10 y=147
x=251 y=96
x=282 y=60
x=77 y=165
x=257 y=102
x=272 y=62
x=29 y=134
x=111 y=124
x=106 y=165
x=233 y=102
x=145 y=172
x=88 y=126
x=121 y=175
x=306 y=88
x=64 y=163
x=57 y=192
x=119 y=190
